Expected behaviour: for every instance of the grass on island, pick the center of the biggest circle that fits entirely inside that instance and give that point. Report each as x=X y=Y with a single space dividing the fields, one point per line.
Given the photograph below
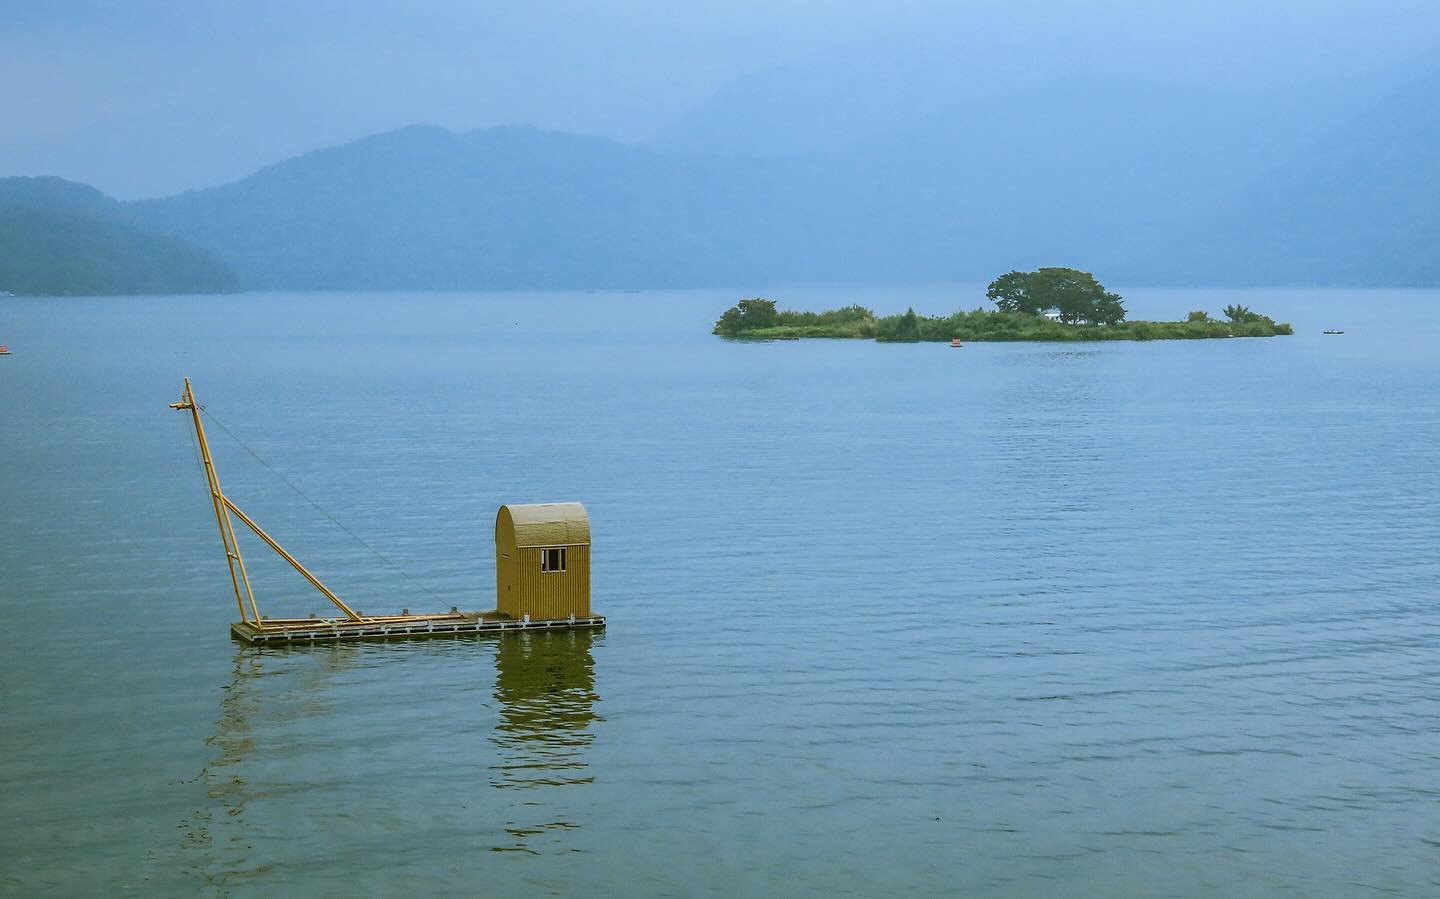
x=757 y=322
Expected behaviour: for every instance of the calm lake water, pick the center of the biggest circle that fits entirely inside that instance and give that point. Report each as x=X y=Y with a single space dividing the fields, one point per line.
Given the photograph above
x=1017 y=619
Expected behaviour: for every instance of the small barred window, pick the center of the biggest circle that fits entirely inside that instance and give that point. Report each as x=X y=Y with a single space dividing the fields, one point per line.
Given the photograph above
x=552 y=559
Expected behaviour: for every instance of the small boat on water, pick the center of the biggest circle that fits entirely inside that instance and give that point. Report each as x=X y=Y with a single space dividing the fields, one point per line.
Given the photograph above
x=4 y=350
x=955 y=342
x=1334 y=331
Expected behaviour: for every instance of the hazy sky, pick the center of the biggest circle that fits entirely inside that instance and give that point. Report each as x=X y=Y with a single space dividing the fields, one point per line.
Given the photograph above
x=143 y=97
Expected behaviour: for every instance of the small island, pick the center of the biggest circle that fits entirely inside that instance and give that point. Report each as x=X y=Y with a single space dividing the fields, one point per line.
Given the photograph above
x=1051 y=304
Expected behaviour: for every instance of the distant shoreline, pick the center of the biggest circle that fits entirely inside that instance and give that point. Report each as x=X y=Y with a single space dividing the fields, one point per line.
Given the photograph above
x=979 y=326
x=1061 y=333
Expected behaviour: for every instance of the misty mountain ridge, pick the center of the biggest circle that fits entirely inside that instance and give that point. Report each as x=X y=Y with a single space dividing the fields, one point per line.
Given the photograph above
x=877 y=89
x=60 y=237
x=430 y=208
x=1364 y=198
x=1139 y=181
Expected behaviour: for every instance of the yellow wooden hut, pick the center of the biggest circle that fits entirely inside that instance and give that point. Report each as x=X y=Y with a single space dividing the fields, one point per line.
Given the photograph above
x=542 y=561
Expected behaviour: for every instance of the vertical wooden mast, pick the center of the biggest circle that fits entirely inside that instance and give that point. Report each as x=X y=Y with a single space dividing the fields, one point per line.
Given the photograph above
x=223 y=507
x=238 y=575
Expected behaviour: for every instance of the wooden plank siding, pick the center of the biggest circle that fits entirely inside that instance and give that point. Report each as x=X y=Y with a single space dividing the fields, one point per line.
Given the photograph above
x=553 y=594
x=521 y=586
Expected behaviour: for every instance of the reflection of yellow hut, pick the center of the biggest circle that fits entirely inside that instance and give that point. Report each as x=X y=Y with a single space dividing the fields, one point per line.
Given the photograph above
x=545 y=689
x=542 y=561
x=545 y=685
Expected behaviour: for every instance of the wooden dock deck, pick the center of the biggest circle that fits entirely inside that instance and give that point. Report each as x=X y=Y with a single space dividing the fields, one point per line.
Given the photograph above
x=274 y=632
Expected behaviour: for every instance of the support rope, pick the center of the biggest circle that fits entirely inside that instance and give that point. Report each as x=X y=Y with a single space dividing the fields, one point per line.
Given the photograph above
x=321 y=509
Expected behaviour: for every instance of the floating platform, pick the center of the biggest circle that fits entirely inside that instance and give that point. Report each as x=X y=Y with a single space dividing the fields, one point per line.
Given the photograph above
x=278 y=631
x=553 y=532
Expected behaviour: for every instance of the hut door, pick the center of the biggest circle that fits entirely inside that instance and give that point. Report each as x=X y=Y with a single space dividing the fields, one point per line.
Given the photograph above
x=507 y=599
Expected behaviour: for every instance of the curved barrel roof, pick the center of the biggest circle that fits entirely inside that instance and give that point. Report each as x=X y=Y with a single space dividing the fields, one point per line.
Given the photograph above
x=545 y=524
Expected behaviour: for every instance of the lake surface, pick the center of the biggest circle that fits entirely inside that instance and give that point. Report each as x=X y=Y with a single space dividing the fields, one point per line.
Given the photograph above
x=1017 y=619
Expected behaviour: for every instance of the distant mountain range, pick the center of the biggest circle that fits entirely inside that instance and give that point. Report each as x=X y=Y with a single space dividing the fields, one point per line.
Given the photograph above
x=59 y=237
x=503 y=208
x=1359 y=205
x=1138 y=182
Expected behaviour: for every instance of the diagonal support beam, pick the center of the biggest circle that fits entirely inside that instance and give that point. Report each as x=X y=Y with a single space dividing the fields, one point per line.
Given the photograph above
x=314 y=581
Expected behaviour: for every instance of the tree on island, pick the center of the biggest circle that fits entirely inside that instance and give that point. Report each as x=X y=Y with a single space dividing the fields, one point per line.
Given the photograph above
x=907 y=329
x=1241 y=314
x=1076 y=295
x=748 y=315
